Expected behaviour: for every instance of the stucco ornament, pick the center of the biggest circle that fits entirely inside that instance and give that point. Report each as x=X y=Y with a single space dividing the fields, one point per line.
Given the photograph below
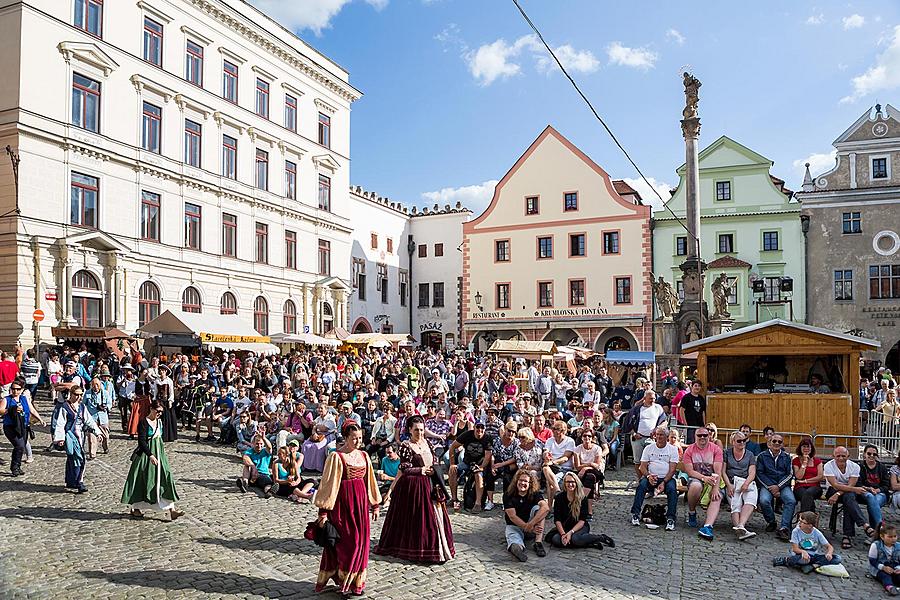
x=666 y=298
x=721 y=289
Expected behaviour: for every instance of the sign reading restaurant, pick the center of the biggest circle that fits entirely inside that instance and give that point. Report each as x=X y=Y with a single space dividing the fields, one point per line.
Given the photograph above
x=214 y=338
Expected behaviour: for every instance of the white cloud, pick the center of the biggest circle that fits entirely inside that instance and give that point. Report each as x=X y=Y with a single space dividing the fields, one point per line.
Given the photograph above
x=579 y=61
x=675 y=36
x=818 y=164
x=450 y=39
x=815 y=19
x=884 y=75
x=638 y=58
x=475 y=197
x=853 y=21
x=501 y=60
x=314 y=15
x=646 y=191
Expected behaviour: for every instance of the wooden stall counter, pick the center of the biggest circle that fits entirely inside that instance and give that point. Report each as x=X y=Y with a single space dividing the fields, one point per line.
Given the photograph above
x=800 y=413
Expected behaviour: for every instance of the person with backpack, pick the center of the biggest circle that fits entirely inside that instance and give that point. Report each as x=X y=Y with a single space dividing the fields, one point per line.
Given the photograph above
x=16 y=410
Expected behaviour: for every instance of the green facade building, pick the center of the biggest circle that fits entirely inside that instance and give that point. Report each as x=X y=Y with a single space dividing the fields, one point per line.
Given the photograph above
x=750 y=230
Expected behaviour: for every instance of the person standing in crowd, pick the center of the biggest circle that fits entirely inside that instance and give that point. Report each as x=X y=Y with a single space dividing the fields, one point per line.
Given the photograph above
x=693 y=409
x=524 y=510
x=31 y=371
x=150 y=485
x=641 y=421
x=774 y=474
x=17 y=410
x=9 y=370
x=68 y=380
x=417 y=526
x=347 y=496
x=125 y=393
x=165 y=396
x=808 y=475
x=95 y=402
x=72 y=426
x=140 y=402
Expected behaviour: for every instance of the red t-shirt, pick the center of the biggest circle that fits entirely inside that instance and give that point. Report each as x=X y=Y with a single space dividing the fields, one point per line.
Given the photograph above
x=8 y=372
x=812 y=469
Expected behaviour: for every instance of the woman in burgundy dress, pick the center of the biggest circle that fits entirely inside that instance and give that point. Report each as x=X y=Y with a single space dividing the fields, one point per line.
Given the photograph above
x=347 y=494
x=417 y=526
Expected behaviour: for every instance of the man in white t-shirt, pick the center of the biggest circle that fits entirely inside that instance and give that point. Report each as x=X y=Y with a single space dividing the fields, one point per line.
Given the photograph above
x=647 y=416
x=842 y=475
x=657 y=469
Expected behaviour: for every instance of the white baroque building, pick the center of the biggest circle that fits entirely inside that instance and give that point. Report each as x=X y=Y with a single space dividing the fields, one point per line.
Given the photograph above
x=406 y=268
x=174 y=154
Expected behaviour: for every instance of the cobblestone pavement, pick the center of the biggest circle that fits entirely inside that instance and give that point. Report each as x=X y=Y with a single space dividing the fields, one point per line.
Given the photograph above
x=56 y=544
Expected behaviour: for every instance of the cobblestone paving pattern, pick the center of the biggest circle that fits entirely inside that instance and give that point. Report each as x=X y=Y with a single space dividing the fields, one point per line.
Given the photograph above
x=56 y=544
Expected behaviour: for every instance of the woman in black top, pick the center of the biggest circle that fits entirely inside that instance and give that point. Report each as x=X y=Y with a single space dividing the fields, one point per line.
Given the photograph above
x=570 y=516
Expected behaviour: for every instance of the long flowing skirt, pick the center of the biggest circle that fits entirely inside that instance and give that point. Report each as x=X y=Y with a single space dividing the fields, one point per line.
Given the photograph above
x=347 y=563
x=416 y=527
x=140 y=406
x=169 y=424
x=150 y=487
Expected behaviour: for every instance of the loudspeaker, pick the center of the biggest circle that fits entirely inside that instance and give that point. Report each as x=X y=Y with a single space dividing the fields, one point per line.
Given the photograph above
x=787 y=284
x=759 y=286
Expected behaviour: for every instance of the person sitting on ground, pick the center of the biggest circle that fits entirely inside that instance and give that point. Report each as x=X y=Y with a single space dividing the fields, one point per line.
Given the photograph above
x=590 y=462
x=809 y=547
x=246 y=431
x=657 y=468
x=842 y=475
x=257 y=468
x=524 y=510
x=217 y=413
x=388 y=472
x=558 y=452
x=286 y=475
x=740 y=473
x=571 y=519
x=476 y=458
x=875 y=478
x=774 y=474
x=703 y=464
x=884 y=559
x=809 y=474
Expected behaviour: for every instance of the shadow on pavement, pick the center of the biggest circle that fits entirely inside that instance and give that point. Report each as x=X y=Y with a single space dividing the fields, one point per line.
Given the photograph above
x=266 y=544
x=220 y=455
x=218 y=485
x=17 y=485
x=54 y=514
x=211 y=582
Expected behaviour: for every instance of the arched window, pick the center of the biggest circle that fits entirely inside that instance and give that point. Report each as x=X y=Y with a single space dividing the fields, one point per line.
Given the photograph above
x=87 y=299
x=261 y=315
x=148 y=303
x=327 y=318
x=228 y=305
x=290 y=317
x=190 y=300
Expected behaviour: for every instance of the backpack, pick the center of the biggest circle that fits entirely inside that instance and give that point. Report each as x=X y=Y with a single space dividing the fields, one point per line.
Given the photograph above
x=469 y=493
x=654 y=514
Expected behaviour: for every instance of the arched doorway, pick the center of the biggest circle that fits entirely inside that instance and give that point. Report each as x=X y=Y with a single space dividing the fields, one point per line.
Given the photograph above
x=431 y=339
x=362 y=326
x=87 y=299
x=615 y=338
x=564 y=336
x=327 y=317
x=892 y=360
x=483 y=339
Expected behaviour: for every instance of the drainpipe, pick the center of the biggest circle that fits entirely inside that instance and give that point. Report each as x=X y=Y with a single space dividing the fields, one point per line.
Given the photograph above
x=410 y=248
x=652 y=298
x=804 y=226
x=36 y=254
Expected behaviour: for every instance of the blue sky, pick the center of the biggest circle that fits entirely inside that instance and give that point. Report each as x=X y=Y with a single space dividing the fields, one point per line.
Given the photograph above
x=455 y=90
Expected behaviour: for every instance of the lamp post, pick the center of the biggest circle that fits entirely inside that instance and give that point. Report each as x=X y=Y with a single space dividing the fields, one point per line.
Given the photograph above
x=478 y=299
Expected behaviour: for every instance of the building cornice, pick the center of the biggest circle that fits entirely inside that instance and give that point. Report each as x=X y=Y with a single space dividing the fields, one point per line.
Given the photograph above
x=279 y=49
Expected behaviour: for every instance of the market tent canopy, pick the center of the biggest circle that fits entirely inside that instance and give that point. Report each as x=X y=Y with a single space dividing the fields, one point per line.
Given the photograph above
x=377 y=340
x=573 y=352
x=338 y=333
x=310 y=339
x=225 y=332
x=523 y=348
x=88 y=333
x=630 y=358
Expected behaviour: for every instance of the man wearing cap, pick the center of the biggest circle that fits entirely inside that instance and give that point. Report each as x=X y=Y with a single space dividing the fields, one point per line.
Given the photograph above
x=477 y=452
x=126 y=393
x=436 y=383
x=346 y=416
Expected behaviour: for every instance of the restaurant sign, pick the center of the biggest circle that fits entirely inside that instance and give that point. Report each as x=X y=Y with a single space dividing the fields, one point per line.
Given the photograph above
x=887 y=316
x=216 y=338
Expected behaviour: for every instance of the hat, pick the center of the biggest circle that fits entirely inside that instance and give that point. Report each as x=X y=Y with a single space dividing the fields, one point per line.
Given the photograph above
x=126 y=367
x=347 y=405
x=480 y=424
x=435 y=370
x=294 y=443
x=165 y=367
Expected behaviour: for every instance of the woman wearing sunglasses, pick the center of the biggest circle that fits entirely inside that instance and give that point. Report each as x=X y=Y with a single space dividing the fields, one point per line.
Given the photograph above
x=16 y=410
x=72 y=427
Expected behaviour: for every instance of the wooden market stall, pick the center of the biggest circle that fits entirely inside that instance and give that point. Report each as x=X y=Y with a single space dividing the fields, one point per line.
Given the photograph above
x=761 y=375
x=541 y=352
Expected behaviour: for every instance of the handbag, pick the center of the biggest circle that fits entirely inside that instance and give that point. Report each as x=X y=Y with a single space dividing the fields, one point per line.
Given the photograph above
x=326 y=536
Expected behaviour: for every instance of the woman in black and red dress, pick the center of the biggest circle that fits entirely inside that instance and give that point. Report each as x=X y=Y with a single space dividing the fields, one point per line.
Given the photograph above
x=417 y=526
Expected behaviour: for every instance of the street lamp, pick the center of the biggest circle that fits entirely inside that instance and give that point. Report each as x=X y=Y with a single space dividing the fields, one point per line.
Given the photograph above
x=478 y=299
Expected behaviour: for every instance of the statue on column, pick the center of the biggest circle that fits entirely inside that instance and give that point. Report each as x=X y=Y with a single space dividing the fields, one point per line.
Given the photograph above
x=666 y=298
x=691 y=96
x=721 y=289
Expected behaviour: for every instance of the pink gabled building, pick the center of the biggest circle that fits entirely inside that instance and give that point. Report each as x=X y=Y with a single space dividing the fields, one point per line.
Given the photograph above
x=561 y=253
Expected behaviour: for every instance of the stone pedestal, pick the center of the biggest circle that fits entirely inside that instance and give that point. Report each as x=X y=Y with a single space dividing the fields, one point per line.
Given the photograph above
x=665 y=337
x=720 y=325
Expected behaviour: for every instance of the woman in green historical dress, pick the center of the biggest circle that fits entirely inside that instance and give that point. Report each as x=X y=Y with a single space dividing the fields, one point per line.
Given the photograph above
x=150 y=485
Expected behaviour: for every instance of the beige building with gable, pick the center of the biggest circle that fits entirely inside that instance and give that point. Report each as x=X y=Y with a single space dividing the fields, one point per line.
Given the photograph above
x=561 y=253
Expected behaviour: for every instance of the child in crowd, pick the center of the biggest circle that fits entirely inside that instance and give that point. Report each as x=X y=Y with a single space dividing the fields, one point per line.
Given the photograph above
x=884 y=559
x=387 y=474
x=809 y=548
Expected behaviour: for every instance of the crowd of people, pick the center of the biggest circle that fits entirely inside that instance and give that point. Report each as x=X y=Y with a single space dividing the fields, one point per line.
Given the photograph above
x=425 y=434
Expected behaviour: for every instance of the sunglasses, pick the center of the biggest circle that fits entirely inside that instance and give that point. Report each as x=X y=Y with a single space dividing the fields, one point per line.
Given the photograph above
x=702 y=435
x=740 y=441
x=777 y=441
x=871 y=454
